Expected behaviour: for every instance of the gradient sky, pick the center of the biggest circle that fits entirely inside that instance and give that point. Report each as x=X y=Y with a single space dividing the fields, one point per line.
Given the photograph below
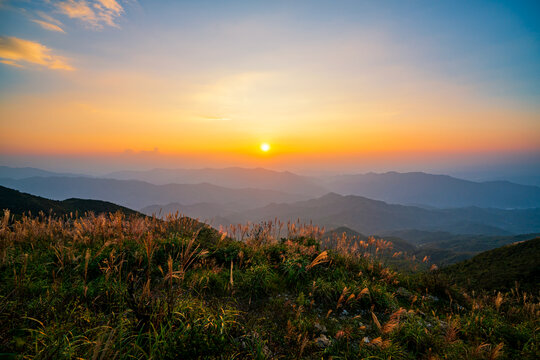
x=328 y=84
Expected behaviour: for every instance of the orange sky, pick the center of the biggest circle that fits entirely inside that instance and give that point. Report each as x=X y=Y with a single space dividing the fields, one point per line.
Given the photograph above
x=217 y=84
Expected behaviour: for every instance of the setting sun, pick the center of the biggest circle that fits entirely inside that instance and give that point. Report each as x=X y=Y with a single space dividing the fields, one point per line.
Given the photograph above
x=265 y=147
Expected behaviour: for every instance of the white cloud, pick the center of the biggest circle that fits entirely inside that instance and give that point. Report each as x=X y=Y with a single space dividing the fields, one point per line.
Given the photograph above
x=14 y=51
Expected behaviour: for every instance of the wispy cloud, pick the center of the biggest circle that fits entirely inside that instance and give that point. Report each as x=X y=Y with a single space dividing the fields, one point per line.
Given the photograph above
x=95 y=13
x=48 y=18
x=10 y=62
x=110 y=5
x=15 y=51
x=49 y=26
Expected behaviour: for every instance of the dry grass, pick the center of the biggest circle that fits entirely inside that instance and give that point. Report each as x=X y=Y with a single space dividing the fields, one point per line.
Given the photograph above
x=138 y=284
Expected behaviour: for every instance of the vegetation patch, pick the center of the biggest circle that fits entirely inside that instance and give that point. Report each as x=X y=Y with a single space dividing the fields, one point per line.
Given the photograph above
x=117 y=287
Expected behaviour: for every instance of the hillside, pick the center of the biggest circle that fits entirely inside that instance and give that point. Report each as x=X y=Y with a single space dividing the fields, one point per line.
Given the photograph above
x=500 y=268
x=112 y=287
x=435 y=190
x=444 y=248
x=138 y=194
x=19 y=203
x=369 y=216
x=441 y=248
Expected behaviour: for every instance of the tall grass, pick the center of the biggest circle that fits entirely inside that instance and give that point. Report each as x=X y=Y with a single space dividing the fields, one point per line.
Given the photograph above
x=115 y=287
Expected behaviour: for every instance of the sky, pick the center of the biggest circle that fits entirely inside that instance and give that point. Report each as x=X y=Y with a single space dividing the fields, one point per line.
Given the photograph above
x=330 y=86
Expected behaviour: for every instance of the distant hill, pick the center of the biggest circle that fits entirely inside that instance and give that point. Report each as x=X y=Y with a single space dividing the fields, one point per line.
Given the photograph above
x=442 y=248
x=138 y=194
x=500 y=268
x=19 y=203
x=232 y=177
x=435 y=190
x=26 y=172
x=398 y=244
x=458 y=242
x=339 y=231
x=375 y=217
x=203 y=211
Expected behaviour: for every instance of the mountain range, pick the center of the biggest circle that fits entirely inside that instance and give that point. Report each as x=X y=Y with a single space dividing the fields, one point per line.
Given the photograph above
x=372 y=216
x=443 y=191
x=233 y=177
x=412 y=188
x=444 y=204
x=26 y=172
x=138 y=194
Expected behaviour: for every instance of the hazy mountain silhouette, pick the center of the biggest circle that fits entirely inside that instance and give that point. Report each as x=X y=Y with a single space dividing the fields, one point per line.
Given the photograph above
x=339 y=231
x=232 y=177
x=331 y=236
x=435 y=190
x=202 y=211
x=415 y=188
x=19 y=203
x=137 y=194
x=26 y=172
x=373 y=217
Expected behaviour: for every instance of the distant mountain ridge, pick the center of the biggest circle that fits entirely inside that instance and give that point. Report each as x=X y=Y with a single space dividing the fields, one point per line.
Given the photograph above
x=413 y=188
x=441 y=191
x=202 y=211
x=138 y=194
x=18 y=203
x=232 y=177
x=26 y=172
x=373 y=217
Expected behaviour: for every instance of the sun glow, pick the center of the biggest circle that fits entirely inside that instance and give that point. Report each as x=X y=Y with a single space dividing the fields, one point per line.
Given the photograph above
x=265 y=147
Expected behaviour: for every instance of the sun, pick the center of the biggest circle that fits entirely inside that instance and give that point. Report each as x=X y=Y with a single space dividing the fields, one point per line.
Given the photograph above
x=265 y=147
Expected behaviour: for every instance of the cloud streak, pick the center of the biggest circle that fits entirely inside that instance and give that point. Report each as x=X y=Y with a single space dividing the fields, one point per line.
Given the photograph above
x=49 y=26
x=95 y=14
x=16 y=52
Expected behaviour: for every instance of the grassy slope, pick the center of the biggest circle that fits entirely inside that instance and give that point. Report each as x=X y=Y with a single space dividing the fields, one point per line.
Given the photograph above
x=111 y=287
x=500 y=268
x=444 y=248
x=18 y=203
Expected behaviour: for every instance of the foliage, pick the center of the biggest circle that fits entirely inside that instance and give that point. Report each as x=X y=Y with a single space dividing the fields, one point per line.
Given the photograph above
x=499 y=269
x=115 y=287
